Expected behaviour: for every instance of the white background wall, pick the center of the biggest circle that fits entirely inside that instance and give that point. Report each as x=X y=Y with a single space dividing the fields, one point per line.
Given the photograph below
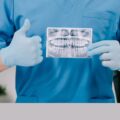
x=7 y=80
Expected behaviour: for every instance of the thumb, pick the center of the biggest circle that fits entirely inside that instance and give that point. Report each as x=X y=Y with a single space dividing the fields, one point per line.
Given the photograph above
x=25 y=27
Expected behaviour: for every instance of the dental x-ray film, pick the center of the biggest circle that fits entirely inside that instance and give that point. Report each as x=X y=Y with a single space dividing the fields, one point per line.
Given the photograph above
x=68 y=42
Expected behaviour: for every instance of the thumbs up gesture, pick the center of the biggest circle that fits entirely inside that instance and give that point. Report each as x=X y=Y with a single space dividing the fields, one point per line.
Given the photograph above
x=23 y=50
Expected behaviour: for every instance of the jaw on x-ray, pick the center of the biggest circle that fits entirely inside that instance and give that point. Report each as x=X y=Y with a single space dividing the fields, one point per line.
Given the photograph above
x=68 y=42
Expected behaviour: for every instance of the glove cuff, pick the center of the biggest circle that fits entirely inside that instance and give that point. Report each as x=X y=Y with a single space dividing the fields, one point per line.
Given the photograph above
x=7 y=57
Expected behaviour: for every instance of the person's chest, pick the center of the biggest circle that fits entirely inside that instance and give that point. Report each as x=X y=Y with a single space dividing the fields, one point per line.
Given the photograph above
x=100 y=15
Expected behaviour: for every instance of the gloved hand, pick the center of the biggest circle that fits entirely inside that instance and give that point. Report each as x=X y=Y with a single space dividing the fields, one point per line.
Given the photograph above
x=109 y=52
x=23 y=50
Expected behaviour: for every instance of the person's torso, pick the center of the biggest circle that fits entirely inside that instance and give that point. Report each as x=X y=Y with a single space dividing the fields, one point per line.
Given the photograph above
x=63 y=79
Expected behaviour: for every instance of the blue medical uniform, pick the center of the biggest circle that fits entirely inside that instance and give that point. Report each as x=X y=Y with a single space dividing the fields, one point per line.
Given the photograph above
x=62 y=80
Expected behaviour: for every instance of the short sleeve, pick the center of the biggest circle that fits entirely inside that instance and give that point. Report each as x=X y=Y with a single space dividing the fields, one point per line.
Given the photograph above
x=6 y=22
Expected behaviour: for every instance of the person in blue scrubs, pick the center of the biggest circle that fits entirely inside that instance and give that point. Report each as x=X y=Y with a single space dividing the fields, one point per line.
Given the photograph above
x=23 y=25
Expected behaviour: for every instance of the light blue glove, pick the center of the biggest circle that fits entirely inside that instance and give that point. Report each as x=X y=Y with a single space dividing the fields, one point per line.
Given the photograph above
x=23 y=50
x=109 y=52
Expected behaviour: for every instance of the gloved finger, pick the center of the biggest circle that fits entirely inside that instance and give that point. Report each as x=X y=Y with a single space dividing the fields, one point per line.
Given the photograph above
x=106 y=56
x=114 y=43
x=101 y=43
x=110 y=64
x=39 y=59
x=99 y=50
x=107 y=63
x=38 y=46
x=25 y=27
x=39 y=52
x=36 y=39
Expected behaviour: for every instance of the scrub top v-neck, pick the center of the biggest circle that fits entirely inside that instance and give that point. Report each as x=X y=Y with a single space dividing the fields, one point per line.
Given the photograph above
x=62 y=80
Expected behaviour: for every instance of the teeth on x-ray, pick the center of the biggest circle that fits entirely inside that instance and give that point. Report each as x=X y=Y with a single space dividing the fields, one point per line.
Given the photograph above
x=68 y=42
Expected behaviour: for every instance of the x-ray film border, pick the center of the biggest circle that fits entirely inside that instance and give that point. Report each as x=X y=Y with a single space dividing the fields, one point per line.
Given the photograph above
x=60 y=28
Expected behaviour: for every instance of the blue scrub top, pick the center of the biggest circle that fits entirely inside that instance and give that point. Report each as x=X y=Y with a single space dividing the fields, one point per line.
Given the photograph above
x=62 y=80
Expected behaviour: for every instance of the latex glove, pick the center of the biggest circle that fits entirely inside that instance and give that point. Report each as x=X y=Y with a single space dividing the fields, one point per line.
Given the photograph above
x=109 y=52
x=23 y=50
